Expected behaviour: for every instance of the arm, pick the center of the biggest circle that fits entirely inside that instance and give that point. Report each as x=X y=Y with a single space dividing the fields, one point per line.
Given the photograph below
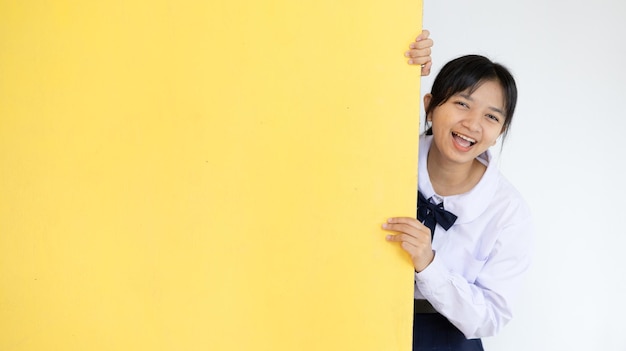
x=482 y=307
x=478 y=307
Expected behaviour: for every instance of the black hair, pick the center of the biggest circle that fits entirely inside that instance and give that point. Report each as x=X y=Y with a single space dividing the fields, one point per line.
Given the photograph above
x=469 y=72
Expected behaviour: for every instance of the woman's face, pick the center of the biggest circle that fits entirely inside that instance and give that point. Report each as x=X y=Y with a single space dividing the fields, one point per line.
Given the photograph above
x=468 y=124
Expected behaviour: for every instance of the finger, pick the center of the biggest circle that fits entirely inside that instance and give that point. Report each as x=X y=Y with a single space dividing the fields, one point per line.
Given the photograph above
x=419 y=232
x=407 y=225
x=411 y=246
x=421 y=45
x=402 y=229
x=419 y=60
x=396 y=237
x=405 y=220
x=419 y=53
x=423 y=35
x=426 y=68
x=403 y=238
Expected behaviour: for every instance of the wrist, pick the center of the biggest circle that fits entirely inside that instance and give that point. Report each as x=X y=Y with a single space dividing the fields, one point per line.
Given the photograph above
x=424 y=263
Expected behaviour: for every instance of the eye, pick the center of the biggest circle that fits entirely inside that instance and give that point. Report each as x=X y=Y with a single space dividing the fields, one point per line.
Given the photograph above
x=462 y=104
x=494 y=118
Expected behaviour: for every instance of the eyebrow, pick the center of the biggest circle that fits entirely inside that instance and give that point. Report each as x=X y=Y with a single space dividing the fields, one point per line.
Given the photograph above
x=469 y=97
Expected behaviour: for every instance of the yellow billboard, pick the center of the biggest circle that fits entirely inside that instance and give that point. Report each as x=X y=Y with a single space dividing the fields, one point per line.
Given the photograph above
x=206 y=175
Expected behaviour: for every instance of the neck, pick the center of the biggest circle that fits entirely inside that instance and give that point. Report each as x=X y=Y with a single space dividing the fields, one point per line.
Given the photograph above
x=450 y=178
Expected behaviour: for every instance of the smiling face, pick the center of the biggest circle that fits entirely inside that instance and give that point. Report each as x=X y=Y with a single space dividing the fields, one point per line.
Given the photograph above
x=467 y=124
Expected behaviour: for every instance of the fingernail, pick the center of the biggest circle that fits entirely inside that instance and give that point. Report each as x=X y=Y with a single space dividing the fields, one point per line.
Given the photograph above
x=410 y=62
x=385 y=225
x=412 y=45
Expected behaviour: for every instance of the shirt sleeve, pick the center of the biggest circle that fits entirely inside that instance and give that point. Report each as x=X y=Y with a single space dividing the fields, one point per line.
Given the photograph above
x=481 y=308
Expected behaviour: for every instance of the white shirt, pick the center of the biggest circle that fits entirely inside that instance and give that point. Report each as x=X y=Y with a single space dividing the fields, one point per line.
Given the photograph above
x=480 y=260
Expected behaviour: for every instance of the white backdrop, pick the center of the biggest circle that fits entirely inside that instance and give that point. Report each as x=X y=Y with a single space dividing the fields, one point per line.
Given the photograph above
x=565 y=153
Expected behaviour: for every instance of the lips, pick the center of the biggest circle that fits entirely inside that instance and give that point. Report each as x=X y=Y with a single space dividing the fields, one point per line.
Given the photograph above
x=462 y=140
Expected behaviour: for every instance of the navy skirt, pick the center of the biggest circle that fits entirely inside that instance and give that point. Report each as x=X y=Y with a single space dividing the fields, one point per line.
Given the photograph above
x=433 y=332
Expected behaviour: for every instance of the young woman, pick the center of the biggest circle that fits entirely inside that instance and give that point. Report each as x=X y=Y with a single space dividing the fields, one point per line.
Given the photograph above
x=471 y=242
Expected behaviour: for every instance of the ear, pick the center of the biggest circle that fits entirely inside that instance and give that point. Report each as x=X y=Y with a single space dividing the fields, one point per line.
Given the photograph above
x=427 y=99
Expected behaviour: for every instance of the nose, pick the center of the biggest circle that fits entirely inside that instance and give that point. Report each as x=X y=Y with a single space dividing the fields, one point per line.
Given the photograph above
x=472 y=121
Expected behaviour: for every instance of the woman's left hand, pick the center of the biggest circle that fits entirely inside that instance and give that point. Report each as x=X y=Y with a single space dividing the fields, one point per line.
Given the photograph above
x=414 y=238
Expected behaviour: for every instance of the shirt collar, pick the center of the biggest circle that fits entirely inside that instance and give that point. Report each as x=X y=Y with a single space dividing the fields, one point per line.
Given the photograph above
x=466 y=206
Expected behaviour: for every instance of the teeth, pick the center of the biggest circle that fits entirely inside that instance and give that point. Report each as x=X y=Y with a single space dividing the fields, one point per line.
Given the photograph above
x=472 y=141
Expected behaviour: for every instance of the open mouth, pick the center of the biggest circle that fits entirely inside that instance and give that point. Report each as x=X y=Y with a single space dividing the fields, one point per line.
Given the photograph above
x=463 y=140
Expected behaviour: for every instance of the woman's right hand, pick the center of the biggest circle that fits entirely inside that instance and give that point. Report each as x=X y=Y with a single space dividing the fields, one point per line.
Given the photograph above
x=419 y=52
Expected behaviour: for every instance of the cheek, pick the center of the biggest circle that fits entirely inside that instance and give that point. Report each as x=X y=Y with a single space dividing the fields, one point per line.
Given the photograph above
x=492 y=136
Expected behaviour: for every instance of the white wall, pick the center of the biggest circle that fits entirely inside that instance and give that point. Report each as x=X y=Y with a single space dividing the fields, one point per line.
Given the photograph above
x=565 y=153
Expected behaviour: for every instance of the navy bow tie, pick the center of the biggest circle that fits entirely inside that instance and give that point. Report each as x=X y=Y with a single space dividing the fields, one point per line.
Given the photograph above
x=430 y=214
